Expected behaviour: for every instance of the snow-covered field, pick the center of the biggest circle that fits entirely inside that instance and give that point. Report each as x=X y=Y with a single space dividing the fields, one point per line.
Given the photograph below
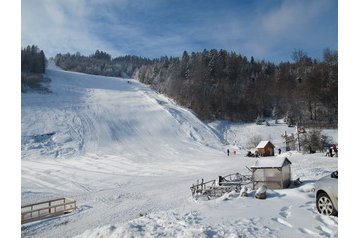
x=128 y=156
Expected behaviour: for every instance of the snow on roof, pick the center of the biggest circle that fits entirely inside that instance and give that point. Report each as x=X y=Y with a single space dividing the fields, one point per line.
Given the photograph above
x=270 y=162
x=262 y=144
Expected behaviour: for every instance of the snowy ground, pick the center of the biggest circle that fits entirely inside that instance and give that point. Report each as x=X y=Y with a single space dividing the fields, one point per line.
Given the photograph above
x=129 y=155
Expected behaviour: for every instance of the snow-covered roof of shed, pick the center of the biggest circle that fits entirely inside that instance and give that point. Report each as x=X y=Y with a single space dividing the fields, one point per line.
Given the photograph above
x=262 y=144
x=270 y=162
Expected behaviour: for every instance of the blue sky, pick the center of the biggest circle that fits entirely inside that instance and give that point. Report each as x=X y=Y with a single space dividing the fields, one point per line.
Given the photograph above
x=265 y=29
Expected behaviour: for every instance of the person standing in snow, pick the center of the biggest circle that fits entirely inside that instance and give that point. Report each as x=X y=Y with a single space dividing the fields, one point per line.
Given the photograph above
x=330 y=152
x=228 y=152
x=279 y=151
x=221 y=179
x=335 y=150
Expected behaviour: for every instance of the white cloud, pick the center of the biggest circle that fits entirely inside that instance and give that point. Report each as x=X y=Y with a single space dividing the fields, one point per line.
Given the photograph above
x=290 y=16
x=292 y=24
x=119 y=27
x=60 y=26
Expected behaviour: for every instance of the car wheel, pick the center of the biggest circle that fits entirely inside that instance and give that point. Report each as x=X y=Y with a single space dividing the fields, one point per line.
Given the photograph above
x=325 y=205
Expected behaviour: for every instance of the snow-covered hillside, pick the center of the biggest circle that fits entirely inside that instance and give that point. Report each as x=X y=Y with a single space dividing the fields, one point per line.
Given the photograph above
x=128 y=155
x=94 y=114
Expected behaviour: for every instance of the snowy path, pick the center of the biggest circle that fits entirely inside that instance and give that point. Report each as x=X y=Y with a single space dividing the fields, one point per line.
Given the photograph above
x=129 y=155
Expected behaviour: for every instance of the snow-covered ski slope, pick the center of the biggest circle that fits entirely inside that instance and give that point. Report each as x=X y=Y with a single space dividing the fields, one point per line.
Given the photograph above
x=94 y=114
x=128 y=155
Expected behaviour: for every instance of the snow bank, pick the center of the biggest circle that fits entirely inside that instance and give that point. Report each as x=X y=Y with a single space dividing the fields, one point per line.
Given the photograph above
x=171 y=224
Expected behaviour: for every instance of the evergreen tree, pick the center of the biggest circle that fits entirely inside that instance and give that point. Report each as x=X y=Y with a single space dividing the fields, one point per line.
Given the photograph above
x=216 y=84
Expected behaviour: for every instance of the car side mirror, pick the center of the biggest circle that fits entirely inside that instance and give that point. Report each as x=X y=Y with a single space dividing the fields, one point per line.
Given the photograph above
x=334 y=174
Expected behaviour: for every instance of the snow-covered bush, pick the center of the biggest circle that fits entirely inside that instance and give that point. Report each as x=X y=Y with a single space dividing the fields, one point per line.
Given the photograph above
x=254 y=141
x=259 y=120
x=314 y=140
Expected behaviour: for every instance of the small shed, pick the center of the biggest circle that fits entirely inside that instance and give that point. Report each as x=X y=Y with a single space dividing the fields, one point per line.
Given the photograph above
x=275 y=173
x=265 y=148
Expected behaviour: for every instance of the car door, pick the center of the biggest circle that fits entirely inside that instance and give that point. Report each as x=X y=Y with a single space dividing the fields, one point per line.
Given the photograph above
x=335 y=189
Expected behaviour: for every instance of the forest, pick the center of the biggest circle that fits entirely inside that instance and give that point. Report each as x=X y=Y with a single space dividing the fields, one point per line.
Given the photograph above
x=217 y=84
x=101 y=63
x=33 y=65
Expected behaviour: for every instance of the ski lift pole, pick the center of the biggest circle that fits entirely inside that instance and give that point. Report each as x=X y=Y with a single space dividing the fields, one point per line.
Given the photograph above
x=298 y=137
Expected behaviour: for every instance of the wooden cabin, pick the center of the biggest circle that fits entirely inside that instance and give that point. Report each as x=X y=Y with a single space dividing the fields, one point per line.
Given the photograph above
x=265 y=148
x=275 y=173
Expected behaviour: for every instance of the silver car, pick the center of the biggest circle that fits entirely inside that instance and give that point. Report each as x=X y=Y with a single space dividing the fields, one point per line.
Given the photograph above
x=327 y=194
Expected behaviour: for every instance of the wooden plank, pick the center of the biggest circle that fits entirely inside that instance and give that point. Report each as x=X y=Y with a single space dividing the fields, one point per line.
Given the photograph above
x=46 y=204
x=46 y=208
x=49 y=209
x=39 y=203
x=42 y=217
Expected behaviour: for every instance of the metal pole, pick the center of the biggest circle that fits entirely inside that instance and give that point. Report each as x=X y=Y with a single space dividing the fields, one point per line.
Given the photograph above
x=298 y=137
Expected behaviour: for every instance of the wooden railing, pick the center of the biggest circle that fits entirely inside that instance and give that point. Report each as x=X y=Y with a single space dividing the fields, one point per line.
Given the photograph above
x=203 y=186
x=236 y=179
x=225 y=184
x=46 y=209
x=208 y=189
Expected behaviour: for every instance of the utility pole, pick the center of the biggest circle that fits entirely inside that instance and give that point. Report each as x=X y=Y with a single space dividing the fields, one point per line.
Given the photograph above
x=298 y=137
x=286 y=141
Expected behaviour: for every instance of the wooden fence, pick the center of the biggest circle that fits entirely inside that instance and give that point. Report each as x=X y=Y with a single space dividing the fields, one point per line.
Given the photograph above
x=203 y=187
x=225 y=184
x=46 y=209
x=236 y=179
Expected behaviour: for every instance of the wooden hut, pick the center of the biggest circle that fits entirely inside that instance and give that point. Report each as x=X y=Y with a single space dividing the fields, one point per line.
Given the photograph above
x=275 y=173
x=265 y=148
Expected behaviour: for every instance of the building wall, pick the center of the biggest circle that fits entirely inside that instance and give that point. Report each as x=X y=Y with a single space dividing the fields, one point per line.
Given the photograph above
x=286 y=175
x=270 y=185
x=271 y=177
x=261 y=151
x=266 y=151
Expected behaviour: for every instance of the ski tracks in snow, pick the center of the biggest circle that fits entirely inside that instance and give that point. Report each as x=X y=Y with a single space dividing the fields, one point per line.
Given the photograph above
x=129 y=149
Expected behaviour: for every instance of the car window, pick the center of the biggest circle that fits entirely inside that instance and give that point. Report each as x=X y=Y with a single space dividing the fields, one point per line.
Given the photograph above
x=334 y=174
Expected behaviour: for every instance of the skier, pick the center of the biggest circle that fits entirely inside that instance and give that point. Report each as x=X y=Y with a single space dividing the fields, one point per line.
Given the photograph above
x=279 y=151
x=228 y=152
